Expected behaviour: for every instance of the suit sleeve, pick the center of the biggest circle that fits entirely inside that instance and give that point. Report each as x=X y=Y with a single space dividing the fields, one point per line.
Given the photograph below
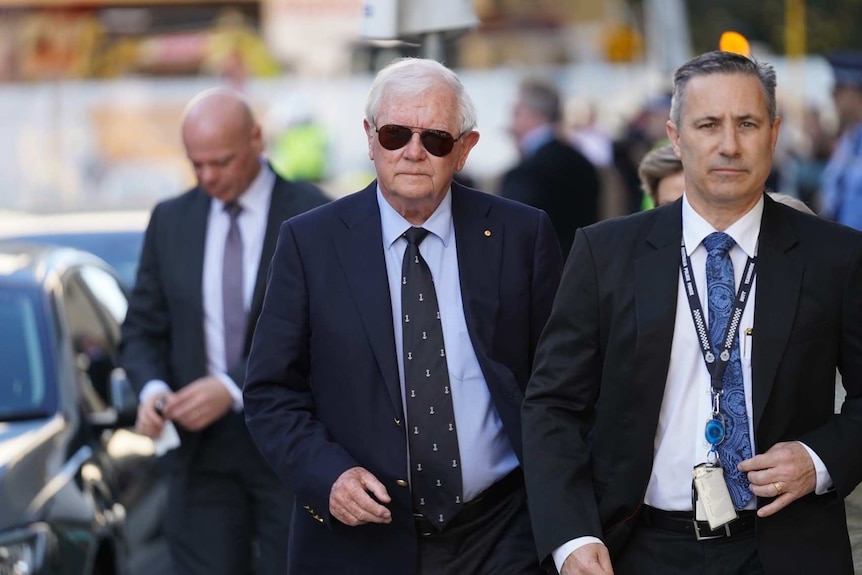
x=546 y=277
x=279 y=406
x=839 y=442
x=146 y=329
x=559 y=407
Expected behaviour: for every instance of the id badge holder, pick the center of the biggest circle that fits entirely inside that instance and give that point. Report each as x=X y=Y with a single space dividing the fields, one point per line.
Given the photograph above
x=710 y=497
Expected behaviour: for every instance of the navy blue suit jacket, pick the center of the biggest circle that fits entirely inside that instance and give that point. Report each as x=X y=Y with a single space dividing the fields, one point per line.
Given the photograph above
x=322 y=391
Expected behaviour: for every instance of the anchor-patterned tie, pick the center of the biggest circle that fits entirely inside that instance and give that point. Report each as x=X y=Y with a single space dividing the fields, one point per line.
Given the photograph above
x=435 y=462
x=722 y=295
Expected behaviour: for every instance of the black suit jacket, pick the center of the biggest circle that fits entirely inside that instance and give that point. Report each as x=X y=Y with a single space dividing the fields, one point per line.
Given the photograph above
x=163 y=335
x=322 y=393
x=594 y=399
x=559 y=179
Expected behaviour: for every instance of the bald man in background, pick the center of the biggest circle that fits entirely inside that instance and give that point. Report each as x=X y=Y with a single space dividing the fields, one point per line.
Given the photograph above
x=203 y=270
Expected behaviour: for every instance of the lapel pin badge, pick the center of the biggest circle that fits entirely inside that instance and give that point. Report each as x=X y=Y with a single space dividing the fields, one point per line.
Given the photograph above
x=487 y=233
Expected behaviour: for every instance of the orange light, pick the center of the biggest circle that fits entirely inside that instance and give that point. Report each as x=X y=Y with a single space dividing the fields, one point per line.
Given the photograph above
x=734 y=42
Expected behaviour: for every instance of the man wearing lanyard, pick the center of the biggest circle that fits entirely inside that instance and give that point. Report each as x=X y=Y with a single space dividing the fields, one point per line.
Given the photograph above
x=679 y=416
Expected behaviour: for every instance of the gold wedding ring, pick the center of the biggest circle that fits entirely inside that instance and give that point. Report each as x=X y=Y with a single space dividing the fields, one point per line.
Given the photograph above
x=778 y=487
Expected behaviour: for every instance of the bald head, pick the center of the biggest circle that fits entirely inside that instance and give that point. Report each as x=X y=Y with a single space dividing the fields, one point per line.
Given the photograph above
x=218 y=109
x=223 y=142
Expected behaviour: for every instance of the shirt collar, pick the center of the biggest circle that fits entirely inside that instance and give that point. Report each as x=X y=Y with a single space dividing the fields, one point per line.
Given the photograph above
x=256 y=197
x=744 y=231
x=394 y=224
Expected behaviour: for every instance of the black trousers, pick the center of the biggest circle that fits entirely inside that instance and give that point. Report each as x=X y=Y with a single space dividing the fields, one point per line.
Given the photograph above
x=229 y=514
x=498 y=542
x=653 y=551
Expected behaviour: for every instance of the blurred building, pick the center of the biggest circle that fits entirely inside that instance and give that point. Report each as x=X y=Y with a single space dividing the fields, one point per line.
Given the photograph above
x=54 y=40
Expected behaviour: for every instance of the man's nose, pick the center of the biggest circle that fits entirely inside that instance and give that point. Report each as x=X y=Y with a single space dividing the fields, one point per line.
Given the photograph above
x=414 y=148
x=729 y=145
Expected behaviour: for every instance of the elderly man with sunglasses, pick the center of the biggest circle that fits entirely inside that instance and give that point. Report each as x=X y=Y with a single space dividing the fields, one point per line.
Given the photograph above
x=394 y=346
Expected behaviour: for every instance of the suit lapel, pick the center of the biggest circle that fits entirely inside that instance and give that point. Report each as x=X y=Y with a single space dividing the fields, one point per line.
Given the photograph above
x=479 y=239
x=193 y=238
x=656 y=289
x=359 y=245
x=279 y=210
x=779 y=279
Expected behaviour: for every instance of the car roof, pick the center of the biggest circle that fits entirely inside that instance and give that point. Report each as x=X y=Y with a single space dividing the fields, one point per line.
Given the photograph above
x=23 y=263
x=21 y=224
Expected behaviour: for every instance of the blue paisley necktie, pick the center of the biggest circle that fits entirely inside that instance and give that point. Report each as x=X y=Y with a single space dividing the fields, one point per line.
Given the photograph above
x=722 y=295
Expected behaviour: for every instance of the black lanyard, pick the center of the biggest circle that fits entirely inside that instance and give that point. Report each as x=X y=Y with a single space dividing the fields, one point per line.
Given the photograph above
x=715 y=368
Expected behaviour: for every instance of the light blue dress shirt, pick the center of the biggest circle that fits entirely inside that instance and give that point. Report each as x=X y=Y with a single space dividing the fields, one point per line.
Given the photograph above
x=842 y=181
x=486 y=453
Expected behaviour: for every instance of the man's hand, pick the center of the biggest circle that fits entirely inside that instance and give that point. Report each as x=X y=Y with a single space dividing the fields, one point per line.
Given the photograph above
x=200 y=403
x=149 y=422
x=785 y=472
x=350 y=502
x=591 y=559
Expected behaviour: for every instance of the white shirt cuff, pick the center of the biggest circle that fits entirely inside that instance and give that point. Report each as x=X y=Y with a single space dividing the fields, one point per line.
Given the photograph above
x=233 y=389
x=824 y=478
x=153 y=387
x=561 y=553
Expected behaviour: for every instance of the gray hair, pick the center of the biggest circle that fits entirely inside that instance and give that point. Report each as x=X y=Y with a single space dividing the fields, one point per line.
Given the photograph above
x=542 y=98
x=718 y=62
x=412 y=77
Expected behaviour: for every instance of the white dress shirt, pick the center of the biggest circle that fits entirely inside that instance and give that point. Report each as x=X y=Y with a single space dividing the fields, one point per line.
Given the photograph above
x=252 y=220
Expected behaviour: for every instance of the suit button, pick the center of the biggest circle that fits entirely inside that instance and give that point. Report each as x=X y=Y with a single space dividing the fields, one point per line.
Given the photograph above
x=401 y=483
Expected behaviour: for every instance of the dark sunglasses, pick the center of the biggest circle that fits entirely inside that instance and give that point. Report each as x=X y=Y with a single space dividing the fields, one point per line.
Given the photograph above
x=437 y=142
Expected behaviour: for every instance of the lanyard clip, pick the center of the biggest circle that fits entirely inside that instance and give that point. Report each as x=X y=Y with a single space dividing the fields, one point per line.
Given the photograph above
x=716 y=402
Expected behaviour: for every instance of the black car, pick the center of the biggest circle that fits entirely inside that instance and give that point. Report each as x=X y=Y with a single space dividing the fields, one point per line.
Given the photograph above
x=78 y=492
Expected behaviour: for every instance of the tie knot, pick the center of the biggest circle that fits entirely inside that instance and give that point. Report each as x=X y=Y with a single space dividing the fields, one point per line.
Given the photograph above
x=414 y=235
x=718 y=242
x=233 y=210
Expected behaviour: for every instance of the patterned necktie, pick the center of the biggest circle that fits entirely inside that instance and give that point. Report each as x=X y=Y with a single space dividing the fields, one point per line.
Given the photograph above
x=722 y=295
x=435 y=462
x=232 y=301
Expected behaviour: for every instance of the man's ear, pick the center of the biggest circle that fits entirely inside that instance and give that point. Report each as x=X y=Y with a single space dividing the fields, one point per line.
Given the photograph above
x=369 y=134
x=673 y=136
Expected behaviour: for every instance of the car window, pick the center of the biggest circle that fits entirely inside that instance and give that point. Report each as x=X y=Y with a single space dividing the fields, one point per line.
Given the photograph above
x=95 y=305
x=24 y=380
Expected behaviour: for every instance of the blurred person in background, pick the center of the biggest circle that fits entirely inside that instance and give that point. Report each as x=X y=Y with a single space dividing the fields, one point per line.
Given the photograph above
x=186 y=337
x=297 y=143
x=630 y=381
x=583 y=131
x=661 y=176
x=585 y=134
x=842 y=178
x=643 y=132
x=552 y=175
x=389 y=362
x=801 y=173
